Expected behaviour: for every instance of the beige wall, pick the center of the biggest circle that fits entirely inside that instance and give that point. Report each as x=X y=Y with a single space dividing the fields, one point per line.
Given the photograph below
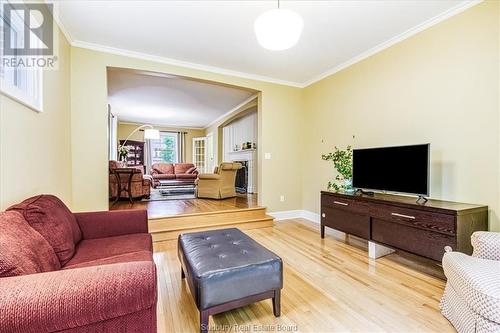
x=124 y=130
x=35 y=151
x=440 y=86
x=279 y=121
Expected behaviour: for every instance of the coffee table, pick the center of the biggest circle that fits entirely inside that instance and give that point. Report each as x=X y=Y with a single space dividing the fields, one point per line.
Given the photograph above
x=176 y=186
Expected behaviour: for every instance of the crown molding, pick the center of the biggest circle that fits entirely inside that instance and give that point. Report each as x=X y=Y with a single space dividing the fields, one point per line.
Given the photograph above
x=181 y=63
x=133 y=123
x=212 y=69
x=399 y=38
x=233 y=110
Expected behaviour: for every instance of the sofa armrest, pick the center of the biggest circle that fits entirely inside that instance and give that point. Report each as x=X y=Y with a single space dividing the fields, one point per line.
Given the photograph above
x=112 y=223
x=209 y=176
x=59 y=300
x=486 y=245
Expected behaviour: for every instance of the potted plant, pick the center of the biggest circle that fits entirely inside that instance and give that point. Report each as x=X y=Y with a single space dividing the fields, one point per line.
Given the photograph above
x=342 y=162
x=123 y=153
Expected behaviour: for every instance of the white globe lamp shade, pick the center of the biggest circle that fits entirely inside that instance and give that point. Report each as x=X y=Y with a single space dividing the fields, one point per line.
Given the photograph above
x=151 y=134
x=278 y=29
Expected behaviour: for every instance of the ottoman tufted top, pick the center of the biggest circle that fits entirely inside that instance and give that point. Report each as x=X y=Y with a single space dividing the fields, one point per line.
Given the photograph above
x=209 y=252
x=226 y=265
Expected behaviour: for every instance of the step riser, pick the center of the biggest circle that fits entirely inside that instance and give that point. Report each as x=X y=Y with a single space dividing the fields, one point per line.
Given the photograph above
x=173 y=234
x=208 y=220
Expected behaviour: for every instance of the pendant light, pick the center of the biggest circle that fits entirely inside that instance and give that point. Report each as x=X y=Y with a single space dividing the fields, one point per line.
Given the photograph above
x=278 y=29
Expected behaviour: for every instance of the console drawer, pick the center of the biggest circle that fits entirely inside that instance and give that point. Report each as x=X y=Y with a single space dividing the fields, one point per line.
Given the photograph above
x=421 y=219
x=344 y=204
x=345 y=221
x=422 y=242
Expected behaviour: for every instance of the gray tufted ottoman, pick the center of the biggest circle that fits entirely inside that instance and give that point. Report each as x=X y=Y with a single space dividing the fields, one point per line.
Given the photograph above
x=226 y=269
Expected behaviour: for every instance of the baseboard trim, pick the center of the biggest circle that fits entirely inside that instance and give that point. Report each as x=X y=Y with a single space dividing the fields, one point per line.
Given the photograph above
x=307 y=215
x=296 y=214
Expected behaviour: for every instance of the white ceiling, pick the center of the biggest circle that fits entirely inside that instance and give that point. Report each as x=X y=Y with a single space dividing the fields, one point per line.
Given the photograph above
x=168 y=100
x=218 y=35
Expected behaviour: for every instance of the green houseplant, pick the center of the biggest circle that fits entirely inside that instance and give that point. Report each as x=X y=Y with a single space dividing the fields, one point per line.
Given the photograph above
x=342 y=162
x=123 y=153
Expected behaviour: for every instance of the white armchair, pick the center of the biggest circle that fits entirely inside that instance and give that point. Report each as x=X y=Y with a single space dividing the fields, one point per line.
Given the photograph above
x=471 y=299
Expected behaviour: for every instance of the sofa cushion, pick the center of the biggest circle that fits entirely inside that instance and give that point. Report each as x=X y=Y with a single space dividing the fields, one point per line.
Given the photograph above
x=164 y=176
x=163 y=168
x=120 y=258
x=89 y=250
x=49 y=216
x=231 y=166
x=22 y=249
x=191 y=170
x=477 y=281
x=182 y=167
x=186 y=176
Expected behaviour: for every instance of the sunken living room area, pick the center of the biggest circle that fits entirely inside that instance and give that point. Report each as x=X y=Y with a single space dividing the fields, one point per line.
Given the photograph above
x=250 y=166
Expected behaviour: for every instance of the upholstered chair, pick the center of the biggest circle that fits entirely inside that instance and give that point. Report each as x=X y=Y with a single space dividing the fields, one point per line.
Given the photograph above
x=218 y=185
x=471 y=299
x=140 y=183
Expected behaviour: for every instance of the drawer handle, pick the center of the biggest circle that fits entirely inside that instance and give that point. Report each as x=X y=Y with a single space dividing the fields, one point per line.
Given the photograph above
x=402 y=215
x=341 y=203
x=323 y=215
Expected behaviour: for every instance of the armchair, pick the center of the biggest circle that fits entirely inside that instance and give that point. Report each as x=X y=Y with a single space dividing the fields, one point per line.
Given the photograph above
x=218 y=185
x=140 y=185
x=471 y=299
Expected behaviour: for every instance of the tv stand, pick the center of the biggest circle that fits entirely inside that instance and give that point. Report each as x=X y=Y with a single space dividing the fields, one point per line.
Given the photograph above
x=421 y=198
x=361 y=191
x=398 y=222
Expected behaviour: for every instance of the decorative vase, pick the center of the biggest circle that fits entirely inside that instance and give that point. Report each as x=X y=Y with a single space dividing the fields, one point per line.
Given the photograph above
x=348 y=186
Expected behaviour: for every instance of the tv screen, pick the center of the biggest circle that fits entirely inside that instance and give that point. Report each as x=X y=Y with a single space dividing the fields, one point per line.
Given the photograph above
x=402 y=169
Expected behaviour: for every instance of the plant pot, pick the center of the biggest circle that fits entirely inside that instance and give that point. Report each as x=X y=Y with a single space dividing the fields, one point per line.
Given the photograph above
x=348 y=186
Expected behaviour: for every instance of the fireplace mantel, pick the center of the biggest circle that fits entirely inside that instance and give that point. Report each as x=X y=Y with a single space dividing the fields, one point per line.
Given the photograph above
x=249 y=155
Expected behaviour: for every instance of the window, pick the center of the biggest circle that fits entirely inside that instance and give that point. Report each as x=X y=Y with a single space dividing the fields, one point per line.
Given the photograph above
x=24 y=84
x=166 y=148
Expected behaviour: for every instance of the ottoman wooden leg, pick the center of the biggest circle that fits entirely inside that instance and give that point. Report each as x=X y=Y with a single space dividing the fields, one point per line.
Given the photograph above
x=277 y=303
x=204 y=321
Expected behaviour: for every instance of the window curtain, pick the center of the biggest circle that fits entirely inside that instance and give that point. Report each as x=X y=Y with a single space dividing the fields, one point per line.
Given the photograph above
x=148 y=158
x=181 y=139
x=112 y=135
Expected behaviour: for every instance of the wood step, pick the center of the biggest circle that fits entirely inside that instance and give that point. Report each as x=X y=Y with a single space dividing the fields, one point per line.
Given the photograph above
x=167 y=228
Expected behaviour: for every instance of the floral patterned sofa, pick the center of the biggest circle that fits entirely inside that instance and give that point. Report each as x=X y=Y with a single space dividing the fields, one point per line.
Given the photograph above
x=140 y=185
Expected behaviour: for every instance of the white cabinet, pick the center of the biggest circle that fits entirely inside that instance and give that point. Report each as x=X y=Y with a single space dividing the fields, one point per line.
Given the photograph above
x=239 y=131
x=234 y=134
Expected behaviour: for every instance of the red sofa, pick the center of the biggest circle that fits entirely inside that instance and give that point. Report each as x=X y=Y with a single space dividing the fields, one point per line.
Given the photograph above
x=169 y=171
x=82 y=272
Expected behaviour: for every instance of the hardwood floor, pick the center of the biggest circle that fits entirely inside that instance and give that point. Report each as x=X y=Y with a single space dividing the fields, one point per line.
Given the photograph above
x=188 y=206
x=329 y=286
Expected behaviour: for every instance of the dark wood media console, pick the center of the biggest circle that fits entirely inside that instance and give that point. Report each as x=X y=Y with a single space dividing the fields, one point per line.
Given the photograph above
x=400 y=222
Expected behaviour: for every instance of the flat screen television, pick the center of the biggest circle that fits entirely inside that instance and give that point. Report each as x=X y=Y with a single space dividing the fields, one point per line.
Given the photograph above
x=403 y=169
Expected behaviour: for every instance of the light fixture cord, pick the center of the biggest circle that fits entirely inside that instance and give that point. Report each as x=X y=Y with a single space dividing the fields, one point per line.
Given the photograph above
x=278 y=4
